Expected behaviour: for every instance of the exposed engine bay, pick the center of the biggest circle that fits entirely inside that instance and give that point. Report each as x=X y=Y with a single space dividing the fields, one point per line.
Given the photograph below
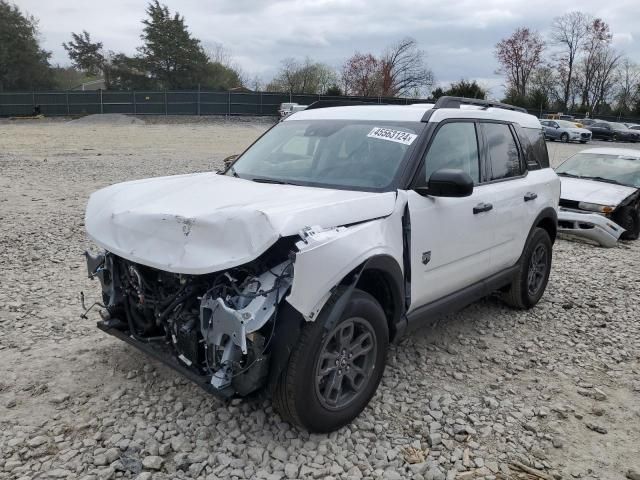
x=219 y=325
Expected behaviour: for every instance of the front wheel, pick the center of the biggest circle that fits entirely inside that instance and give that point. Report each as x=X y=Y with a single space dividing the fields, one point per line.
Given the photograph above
x=334 y=370
x=530 y=281
x=629 y=219
x=564 y=138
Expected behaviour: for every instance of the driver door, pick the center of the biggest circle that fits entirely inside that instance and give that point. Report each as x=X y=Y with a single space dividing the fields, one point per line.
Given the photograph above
x=451 y=238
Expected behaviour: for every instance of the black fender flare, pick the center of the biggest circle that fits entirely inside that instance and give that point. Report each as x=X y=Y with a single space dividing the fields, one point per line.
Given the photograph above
x=290 y=322
x=548 y=213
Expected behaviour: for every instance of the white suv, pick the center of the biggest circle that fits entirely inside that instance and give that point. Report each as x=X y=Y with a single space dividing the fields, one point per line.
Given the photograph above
x=332 y=235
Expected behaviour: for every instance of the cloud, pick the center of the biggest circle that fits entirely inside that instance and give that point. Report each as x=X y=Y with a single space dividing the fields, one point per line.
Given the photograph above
x=458 y=36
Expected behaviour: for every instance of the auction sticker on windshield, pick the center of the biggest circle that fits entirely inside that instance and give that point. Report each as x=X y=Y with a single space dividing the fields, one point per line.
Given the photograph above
x=398 y=136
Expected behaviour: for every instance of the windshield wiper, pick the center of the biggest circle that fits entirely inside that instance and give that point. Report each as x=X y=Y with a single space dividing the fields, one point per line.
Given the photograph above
x=565 y=174
x=272 y=180
x=233 y=172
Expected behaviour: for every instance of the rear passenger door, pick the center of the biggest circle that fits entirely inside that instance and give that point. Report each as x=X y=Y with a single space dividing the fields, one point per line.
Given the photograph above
x=510 y=191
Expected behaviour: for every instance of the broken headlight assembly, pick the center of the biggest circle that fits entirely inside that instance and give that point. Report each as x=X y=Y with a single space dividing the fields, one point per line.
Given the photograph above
x=595 y=207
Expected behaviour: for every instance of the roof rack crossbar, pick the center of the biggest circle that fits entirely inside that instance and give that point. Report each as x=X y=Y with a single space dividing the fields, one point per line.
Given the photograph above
x=456 y=102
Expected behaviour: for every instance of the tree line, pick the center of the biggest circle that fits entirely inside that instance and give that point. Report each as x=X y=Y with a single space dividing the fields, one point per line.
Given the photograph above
x=575 y=67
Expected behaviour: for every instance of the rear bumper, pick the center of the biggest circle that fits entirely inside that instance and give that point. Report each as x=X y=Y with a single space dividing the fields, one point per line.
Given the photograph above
x=163 y=353
x=589 y=225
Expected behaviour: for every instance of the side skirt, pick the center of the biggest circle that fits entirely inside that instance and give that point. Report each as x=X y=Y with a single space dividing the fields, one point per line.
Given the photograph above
x=460 y=299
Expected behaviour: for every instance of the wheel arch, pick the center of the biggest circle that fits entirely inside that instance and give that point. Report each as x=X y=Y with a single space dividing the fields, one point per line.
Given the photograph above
x=382 y=277
x=547 y=219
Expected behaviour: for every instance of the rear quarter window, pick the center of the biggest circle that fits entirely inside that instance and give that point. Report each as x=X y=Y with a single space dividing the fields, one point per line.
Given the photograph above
x=534 y=146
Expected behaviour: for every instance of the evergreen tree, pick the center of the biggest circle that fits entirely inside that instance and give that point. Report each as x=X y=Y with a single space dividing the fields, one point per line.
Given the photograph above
x=170 y=55
x=23 y=64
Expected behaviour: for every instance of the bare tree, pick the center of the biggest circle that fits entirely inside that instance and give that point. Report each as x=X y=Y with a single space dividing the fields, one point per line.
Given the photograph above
x=361 y=75
x=519 y=55
x=628 y=93
x=605 y=76
x=598 y=38
x=403 y=69
x=568 y=32
x=302 y=77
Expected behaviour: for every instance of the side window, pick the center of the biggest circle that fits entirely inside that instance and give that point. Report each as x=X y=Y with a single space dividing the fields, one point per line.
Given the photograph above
x=454 y=146
x=535 y=147
x=502 y=150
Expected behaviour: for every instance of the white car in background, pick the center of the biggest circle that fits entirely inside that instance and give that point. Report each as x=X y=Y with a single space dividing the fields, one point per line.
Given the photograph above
x=288 y=108
x=600 y=196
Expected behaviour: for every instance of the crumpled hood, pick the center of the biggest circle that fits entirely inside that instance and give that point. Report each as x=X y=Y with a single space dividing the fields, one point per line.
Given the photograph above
x=202 y=223
x=592 y=191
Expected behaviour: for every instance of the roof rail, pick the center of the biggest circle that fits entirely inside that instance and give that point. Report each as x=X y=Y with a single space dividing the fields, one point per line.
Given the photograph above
x=337 y=103
x=455 y=102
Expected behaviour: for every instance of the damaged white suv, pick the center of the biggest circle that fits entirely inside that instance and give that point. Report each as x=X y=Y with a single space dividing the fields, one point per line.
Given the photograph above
x=332 y=235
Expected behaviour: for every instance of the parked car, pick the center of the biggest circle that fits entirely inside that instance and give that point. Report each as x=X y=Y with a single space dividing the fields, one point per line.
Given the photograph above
x=613 y=131
x=287 y=109
x=565 y=131
x=336 y=232
x=635 y=127
x=600 y=196
x=587 y=121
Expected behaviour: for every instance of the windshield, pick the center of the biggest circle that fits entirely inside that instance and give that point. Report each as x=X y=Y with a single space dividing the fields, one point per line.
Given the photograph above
x=364 y=155
x=613 y=168
x=565 y=124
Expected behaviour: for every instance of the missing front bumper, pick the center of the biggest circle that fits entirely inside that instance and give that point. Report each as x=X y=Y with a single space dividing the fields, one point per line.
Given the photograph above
x=592 y=226
x=163 y=353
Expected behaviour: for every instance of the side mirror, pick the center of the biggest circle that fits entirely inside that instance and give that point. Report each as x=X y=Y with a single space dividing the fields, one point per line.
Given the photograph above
x=447 y=182
x=557 y=126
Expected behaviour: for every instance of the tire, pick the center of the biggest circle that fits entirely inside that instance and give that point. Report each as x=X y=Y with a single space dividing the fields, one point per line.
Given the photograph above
x=629 y=219
x=307 y=401
x=583 y=141
x=564 y=138
x=520 y=294
x=615 y=137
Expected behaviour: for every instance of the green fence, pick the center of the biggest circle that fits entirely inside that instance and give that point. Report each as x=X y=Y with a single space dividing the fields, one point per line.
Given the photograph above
x=163 y=103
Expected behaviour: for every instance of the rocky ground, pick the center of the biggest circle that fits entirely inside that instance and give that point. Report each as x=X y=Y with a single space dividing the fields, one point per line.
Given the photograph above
x=488 y=393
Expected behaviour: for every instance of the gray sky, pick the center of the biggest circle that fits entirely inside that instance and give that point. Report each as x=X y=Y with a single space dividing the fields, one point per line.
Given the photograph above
x=457 y=35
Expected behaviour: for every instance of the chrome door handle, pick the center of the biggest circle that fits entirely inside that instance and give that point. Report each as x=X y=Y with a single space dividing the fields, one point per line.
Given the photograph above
x=482 y=207
x=530 y=196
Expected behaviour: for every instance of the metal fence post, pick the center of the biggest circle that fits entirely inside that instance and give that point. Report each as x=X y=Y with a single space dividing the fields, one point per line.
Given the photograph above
x=166 y=106
x=101 y=104
x=135 y=107
x=260 y=104
x=67 y=100
x=198 y=100
x=228 y=104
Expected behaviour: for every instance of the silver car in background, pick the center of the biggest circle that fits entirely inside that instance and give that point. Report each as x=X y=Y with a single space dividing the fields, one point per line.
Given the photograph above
x=565 y=131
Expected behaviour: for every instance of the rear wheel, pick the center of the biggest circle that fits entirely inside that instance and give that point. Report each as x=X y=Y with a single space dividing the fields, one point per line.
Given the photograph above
x=564 y=138
x=530 y=281
x=629 y=219
x=334 y=370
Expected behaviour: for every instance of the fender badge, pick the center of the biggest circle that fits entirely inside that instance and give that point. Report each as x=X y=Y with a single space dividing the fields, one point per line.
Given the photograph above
x=426 y=257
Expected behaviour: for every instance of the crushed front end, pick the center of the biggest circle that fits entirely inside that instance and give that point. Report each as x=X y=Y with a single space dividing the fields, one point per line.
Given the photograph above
x=593 y=226
x=214 y=328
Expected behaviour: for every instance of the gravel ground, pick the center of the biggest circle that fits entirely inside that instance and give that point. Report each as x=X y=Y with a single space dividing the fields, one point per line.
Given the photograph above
x=487 y=393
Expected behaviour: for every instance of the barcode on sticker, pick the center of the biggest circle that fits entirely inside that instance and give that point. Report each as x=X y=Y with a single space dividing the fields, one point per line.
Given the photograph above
x=398 y=136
